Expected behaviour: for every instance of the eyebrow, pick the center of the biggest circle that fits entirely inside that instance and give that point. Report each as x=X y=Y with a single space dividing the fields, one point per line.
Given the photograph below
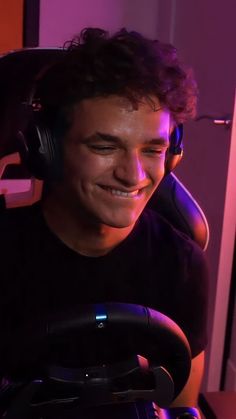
x=113 y=139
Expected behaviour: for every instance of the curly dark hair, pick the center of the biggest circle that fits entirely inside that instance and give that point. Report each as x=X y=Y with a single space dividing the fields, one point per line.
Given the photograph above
x=125 y=64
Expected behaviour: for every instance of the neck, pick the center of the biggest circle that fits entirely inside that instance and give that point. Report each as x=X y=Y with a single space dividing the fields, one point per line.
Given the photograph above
x=80 y=233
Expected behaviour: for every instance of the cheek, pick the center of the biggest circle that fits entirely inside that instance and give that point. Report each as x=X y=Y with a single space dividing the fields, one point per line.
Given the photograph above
x=157 y=170
x=86 y=166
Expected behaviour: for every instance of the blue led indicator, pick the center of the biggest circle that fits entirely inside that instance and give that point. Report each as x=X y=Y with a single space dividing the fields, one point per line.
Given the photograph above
x=101 y=317
x=100 y=312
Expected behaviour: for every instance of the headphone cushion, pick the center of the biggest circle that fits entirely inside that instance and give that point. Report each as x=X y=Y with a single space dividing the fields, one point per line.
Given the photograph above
x=172 y=160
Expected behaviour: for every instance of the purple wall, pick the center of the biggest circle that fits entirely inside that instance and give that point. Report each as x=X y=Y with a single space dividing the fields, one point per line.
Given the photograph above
x=61 y=19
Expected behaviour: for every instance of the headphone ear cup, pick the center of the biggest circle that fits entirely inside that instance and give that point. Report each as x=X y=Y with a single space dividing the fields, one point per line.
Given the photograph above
x=41 y=154
x=175 y=151
x=172 y=160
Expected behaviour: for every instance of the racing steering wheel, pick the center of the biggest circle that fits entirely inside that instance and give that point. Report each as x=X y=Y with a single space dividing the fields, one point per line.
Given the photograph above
x=95 y=357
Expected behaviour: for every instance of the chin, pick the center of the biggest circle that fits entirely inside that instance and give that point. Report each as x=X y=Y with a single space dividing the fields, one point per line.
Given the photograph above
x=120 y=222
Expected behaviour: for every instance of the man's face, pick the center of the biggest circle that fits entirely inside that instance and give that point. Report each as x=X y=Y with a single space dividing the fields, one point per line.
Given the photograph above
x=114 y=158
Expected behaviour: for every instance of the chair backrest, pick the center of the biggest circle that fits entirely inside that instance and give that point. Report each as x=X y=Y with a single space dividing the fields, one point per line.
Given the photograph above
x=175 y=203
x=17 y=72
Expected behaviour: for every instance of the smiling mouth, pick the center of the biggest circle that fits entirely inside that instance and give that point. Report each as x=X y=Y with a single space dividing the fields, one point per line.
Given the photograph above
x=123 y=194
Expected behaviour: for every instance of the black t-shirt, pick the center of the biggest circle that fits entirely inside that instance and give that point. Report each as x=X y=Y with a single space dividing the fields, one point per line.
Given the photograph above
x=155 y=266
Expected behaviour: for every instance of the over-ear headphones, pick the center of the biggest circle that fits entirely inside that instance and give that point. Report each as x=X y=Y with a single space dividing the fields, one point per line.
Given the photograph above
x=175 y=150
x=41 y=150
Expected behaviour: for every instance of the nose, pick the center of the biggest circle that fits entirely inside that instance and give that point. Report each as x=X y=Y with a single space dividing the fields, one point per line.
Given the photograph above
x=130 y=169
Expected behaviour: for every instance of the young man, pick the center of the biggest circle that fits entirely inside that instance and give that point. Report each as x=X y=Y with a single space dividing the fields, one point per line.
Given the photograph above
x=109 y=107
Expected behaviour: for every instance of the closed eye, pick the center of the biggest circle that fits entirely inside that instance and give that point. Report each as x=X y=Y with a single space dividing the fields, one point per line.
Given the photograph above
x=155 y=151
x=102 y=149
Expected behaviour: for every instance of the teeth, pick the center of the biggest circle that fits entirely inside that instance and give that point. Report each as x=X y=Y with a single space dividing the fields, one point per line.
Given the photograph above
x=125 y=194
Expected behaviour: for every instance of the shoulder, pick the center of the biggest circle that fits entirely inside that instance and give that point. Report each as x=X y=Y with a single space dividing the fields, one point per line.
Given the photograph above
x=185 y=272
